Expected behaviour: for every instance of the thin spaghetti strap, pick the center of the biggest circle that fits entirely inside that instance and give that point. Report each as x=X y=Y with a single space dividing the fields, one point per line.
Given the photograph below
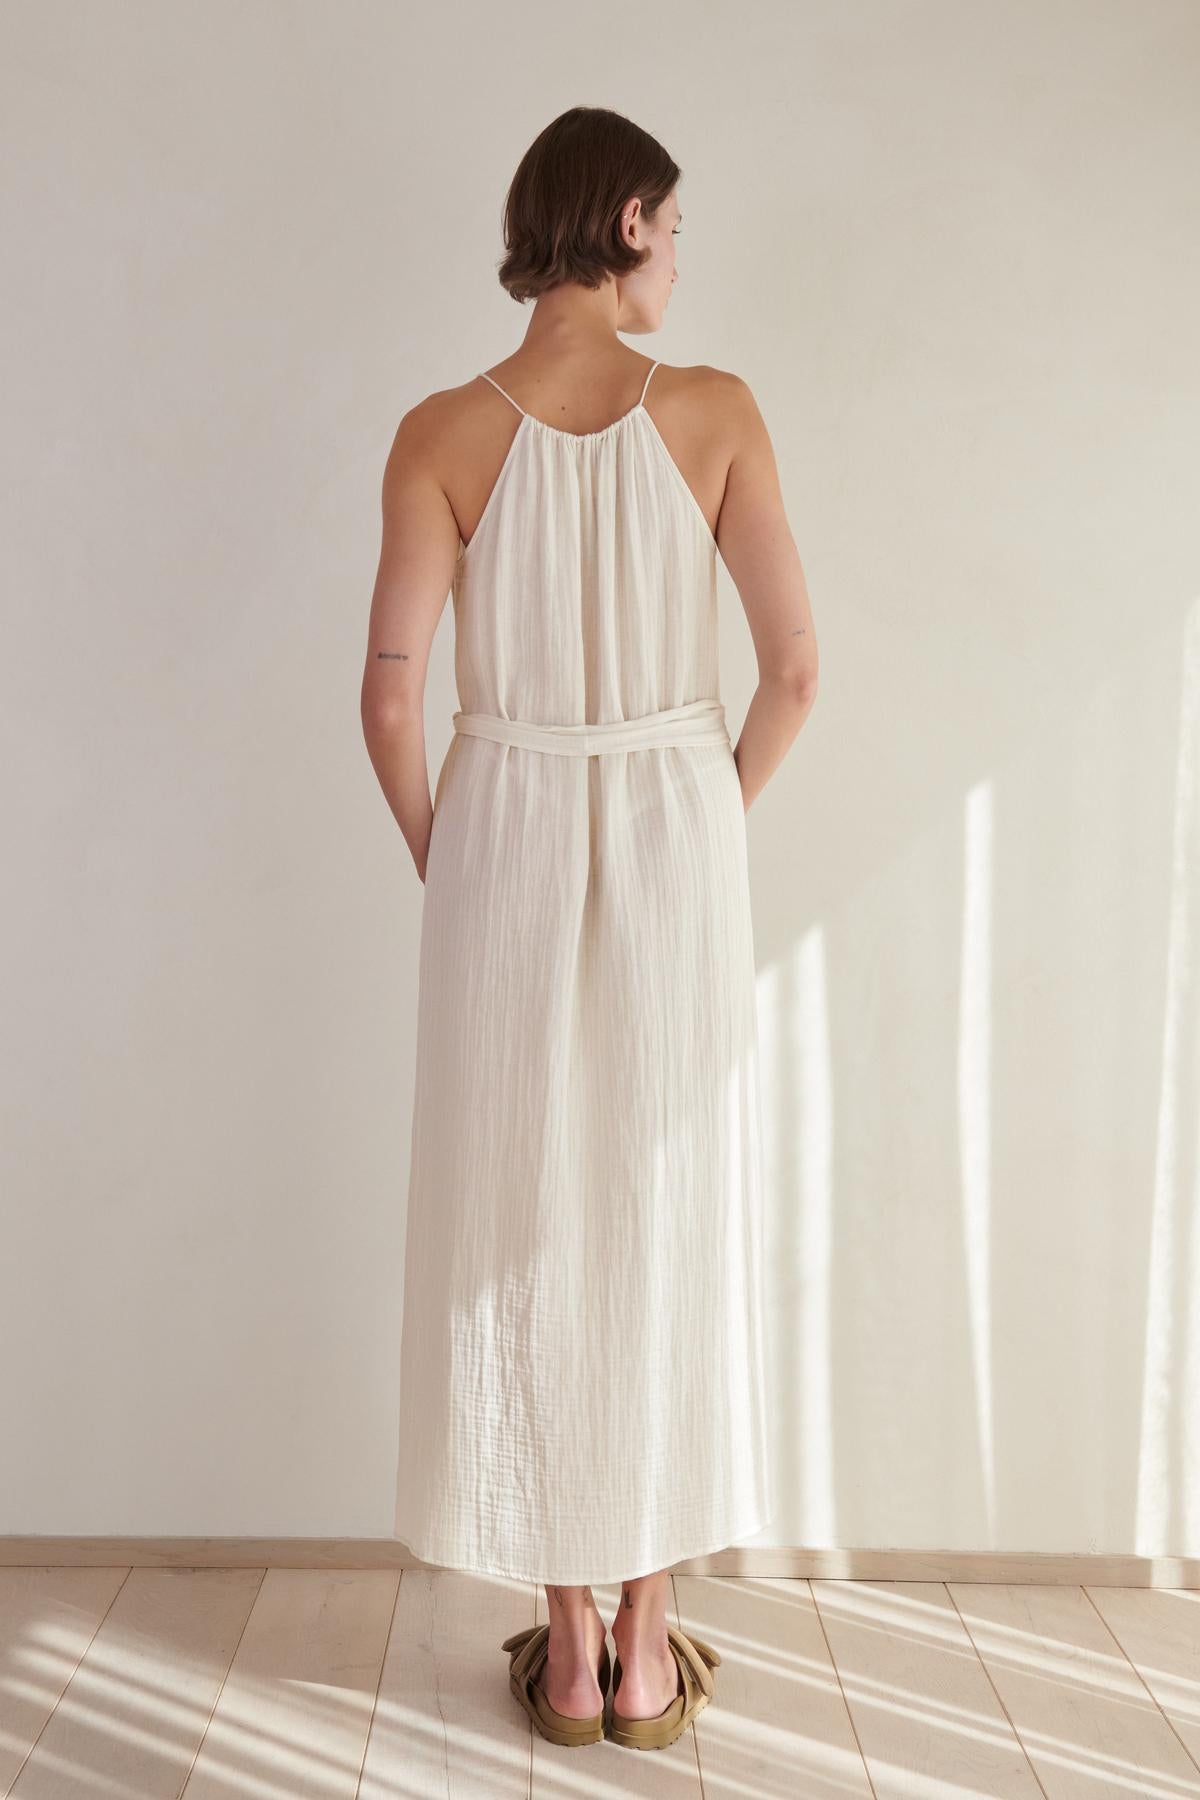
x=646 y=384
x=500 y=390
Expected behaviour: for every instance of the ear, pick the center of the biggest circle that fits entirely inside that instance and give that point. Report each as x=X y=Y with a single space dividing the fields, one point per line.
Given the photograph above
x=631 y=214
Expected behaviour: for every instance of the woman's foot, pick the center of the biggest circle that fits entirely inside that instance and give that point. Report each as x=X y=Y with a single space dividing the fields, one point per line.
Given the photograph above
x=570 y=1675
x=649 y=1679
x=649 y=1672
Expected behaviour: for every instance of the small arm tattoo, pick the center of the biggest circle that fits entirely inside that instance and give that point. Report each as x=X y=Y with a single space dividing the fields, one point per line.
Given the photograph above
x=400 y=655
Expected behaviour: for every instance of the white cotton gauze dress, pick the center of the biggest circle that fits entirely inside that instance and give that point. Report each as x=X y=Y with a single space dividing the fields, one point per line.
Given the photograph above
x=581 y=1357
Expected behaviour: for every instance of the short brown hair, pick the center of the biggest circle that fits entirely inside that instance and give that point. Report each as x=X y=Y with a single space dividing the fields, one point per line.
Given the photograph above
x=562 y=213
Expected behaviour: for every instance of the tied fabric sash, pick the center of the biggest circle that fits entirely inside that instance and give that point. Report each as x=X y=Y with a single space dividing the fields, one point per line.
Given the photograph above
x=697 y=722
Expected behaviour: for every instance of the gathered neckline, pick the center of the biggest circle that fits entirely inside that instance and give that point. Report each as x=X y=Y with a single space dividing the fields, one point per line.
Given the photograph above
x=575 y=437
x=580 y=436
x=656 y=436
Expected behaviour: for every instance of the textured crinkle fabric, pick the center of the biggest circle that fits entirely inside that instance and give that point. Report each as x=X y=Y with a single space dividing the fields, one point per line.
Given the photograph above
x=581 y=1357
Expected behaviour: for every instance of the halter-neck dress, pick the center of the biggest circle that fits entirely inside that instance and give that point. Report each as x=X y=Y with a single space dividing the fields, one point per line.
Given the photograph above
x=581 y=1355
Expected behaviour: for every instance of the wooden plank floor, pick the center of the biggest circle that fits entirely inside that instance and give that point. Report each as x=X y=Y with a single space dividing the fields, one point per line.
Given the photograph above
x=360 y=1684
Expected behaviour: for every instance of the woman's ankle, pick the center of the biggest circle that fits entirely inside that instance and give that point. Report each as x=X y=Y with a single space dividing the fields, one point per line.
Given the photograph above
x=640 y=1625
x=641 y=1641
x=576 y=1627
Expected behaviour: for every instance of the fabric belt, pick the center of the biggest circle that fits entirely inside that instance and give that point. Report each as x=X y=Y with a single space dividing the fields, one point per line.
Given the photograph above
x=698 y=722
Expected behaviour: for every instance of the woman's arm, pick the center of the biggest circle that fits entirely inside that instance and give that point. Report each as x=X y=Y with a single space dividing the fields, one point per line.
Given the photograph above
x=416 y=567
x=760 y=553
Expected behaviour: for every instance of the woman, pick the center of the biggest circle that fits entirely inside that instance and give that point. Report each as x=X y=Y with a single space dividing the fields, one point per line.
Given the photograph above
x=581 y=1360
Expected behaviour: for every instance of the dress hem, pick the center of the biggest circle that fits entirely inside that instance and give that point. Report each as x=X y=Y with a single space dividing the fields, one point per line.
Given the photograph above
x=453 y=1562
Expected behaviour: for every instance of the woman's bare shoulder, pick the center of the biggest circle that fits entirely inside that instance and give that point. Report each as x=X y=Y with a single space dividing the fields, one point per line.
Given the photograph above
x=445 y=410
x=432 y=436
x=719 y=395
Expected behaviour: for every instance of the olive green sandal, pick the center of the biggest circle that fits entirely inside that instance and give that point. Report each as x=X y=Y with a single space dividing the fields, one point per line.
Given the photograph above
x=695 y=1661
x=529 y=1651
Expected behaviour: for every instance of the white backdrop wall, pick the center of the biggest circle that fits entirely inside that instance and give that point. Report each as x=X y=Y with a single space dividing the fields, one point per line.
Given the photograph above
x=953 y=250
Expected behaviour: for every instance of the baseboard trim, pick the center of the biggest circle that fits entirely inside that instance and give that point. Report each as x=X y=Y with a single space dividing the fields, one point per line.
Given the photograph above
x=1100 y=1569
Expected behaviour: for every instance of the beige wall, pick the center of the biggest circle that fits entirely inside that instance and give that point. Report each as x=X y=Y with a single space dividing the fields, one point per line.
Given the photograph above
x=953 y=250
